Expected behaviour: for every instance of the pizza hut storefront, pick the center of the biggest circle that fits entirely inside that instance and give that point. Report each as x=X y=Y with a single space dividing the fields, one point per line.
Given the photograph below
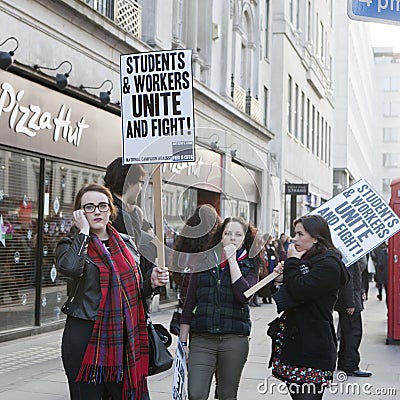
x=51 y=144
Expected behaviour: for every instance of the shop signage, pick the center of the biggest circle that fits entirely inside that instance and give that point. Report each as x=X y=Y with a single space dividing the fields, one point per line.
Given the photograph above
x=206 y=173
x=296 y=188
x=359 y=220
x=29 y=119
x=383 y=11
x=157 y=107
x=36 y=118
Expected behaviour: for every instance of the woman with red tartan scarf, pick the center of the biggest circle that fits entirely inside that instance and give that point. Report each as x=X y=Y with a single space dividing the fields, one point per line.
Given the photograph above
x=217 y=313
x=105 y=343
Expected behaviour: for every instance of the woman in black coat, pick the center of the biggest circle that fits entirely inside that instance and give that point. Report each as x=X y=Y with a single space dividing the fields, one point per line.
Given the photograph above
x=305 y=349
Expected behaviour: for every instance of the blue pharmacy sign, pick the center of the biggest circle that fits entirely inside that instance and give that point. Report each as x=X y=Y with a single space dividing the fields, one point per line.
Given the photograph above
x=383 y=11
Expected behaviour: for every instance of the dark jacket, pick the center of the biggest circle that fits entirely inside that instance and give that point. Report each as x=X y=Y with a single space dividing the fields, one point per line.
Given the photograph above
x=309 y=335
x=350 y=295
x=215 y=305
x=127 y=224
x=380 y=259
x=84 y=293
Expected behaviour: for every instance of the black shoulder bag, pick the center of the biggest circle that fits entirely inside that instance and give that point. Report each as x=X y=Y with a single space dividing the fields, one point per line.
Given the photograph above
x=160 y=359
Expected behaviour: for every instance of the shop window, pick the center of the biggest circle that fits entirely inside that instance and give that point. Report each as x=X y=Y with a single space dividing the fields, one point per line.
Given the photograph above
x=18 y=233
x=21 y=245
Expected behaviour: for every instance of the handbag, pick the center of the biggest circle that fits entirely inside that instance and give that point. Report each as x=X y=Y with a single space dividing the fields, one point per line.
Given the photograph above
x=160 y=359
x=175 y=324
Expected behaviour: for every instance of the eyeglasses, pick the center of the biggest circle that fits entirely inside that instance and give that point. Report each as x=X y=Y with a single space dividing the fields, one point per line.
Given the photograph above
x=90 y=207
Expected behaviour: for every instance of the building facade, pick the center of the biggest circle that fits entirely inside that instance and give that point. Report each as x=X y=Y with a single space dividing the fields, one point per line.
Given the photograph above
x=56 y=137
x=302 y=110
x=387 y=115
x=355 y=138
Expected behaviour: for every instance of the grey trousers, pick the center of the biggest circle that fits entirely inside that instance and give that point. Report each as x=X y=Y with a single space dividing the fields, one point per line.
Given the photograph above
x=209 y=352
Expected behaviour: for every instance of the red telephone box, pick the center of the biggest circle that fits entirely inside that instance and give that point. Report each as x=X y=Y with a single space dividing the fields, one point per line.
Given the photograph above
x=393 y=335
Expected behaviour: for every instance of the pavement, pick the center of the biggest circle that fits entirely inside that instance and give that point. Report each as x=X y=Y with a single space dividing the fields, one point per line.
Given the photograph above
x=30 y=368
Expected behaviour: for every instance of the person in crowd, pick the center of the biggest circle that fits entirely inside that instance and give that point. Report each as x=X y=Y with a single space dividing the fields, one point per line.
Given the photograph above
x=380 y=258
x=279 y=249
x=104 y=344
x=285 y=240
x=217 y=313
x=125 y=183
x=198 y=235
x=349 y=306
x=304 y=348
x=266 y=291
x=366 y=278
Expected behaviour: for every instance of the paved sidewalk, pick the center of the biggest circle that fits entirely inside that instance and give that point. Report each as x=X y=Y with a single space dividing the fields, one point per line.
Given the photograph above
x=30 y=368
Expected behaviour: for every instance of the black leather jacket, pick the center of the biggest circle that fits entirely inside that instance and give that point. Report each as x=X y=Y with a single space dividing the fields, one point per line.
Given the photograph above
x=83 y=289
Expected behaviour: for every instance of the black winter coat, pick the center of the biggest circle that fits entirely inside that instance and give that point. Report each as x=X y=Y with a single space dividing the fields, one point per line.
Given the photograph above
x=350 y=295
x=309 y=335
x=380 y=258
x=84 y=292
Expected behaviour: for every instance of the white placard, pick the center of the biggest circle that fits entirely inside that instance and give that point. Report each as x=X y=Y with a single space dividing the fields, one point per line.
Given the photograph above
x=178 y=382
x=359 y=220
x=157 y=107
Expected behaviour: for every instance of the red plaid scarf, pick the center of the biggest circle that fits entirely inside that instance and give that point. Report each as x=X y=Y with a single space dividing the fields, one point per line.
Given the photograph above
x=118 y=349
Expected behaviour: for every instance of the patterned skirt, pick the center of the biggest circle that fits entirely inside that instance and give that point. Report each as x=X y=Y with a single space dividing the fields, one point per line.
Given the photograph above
x=294 y=374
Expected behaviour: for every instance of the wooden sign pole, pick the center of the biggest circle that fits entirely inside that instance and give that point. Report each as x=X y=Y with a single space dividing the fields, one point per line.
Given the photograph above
x=158 y=212
x=249 y=292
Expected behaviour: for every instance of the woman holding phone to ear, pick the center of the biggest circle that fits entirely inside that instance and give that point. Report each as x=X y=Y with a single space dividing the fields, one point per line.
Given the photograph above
x=104 y=345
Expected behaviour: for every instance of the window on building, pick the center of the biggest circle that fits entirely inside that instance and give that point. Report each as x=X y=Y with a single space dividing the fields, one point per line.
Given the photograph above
x=391 y=160
x=391 y=84
x=316 y=33
x=247 y=53
x=391 y=135
x=105 y=7
x=302 y=121
x=289 y=105
x=318 y=138
x=391 y=109
x=308 y=124
x=309 y=21
x=179 y=20
x=329 y=145
x=267 y=27
x=312 y=142
x=296 y=111
x=321 y=42
x=291 y=11
x=326 y=143
x=266 y=105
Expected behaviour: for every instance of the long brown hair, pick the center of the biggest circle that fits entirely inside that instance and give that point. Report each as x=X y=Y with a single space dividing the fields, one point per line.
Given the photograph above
x=200 y=231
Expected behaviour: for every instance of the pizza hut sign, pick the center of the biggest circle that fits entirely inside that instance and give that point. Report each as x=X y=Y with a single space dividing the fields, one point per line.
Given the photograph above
x=29 y=119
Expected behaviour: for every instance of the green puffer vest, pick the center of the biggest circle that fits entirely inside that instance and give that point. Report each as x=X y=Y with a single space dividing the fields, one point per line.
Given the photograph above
x=217 y=311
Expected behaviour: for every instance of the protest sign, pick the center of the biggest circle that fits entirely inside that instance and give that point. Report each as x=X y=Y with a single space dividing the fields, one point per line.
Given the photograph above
x=178 y=382
x=157 y=107
x=359 y=220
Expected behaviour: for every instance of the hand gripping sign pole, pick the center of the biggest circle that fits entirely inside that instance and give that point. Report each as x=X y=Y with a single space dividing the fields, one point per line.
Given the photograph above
x=158 y=211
